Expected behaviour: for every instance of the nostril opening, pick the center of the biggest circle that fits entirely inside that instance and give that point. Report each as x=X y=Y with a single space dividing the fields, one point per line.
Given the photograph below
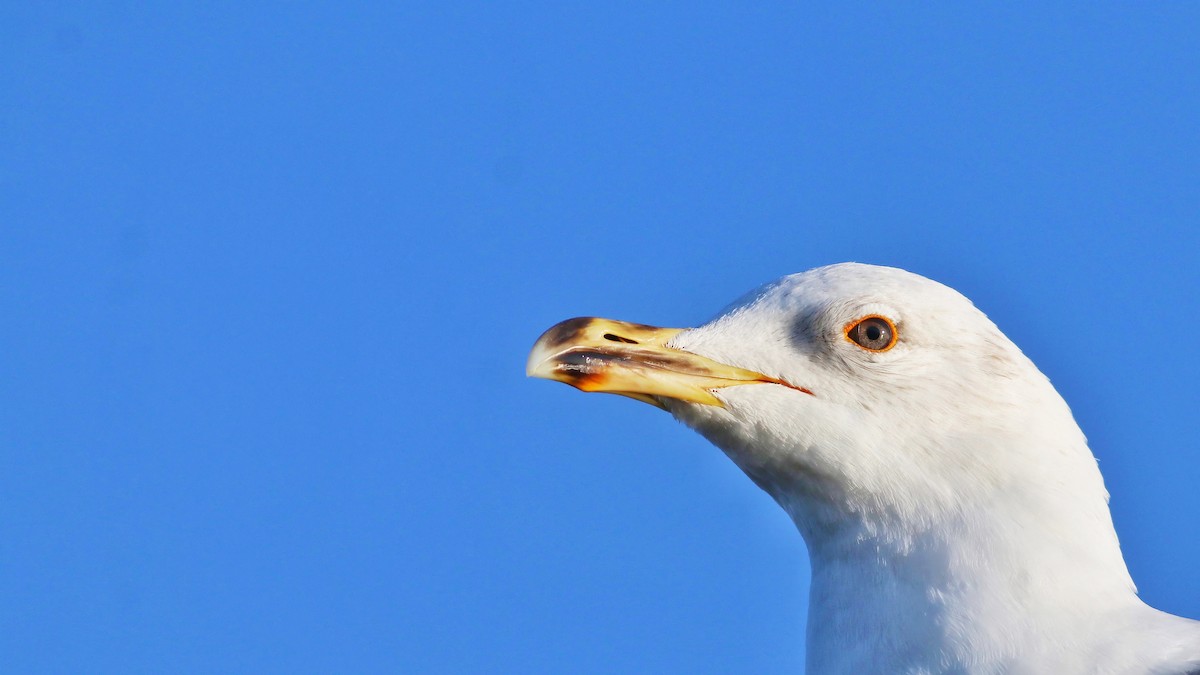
x=618 y=338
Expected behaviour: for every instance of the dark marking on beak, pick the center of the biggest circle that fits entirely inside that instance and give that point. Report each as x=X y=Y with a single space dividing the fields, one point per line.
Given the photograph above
x=561 y=332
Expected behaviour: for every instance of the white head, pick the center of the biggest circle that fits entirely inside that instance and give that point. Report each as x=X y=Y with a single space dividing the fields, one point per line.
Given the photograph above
x=946 y=494
x=946 y=419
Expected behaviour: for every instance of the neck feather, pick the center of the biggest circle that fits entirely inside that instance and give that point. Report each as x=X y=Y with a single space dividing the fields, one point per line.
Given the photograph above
x=980 y=583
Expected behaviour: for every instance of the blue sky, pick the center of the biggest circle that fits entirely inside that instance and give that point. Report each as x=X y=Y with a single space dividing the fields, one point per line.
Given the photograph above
x=269 y=274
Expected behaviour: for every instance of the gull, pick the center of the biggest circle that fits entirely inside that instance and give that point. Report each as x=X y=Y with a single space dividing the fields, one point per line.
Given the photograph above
x=955 y=518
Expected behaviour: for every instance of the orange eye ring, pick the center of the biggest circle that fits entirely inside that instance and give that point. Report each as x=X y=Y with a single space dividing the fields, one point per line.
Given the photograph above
x=874 y=333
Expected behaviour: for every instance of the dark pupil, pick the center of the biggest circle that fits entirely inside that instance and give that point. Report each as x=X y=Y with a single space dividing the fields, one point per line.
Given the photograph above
x=874 y=333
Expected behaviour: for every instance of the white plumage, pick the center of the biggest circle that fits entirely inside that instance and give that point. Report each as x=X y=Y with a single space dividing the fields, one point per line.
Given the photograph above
x=956 y=520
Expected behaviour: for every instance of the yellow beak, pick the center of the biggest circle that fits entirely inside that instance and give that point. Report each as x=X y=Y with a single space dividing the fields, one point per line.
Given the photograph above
x=632 y=359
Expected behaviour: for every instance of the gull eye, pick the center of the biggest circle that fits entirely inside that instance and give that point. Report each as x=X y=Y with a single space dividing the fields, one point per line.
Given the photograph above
x=873 y=333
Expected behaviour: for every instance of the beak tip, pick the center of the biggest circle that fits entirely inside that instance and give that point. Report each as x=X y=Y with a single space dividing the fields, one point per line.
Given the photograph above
x=540 y=363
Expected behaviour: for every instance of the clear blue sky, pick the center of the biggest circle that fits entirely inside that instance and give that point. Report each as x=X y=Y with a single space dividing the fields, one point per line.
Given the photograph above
x=269 y=273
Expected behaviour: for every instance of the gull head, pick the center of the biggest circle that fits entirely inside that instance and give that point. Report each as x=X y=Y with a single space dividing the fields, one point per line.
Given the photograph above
x=956 y=520
x=852 y=394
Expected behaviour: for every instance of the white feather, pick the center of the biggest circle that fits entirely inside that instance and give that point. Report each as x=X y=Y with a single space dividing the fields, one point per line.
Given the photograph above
x=955 y=518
